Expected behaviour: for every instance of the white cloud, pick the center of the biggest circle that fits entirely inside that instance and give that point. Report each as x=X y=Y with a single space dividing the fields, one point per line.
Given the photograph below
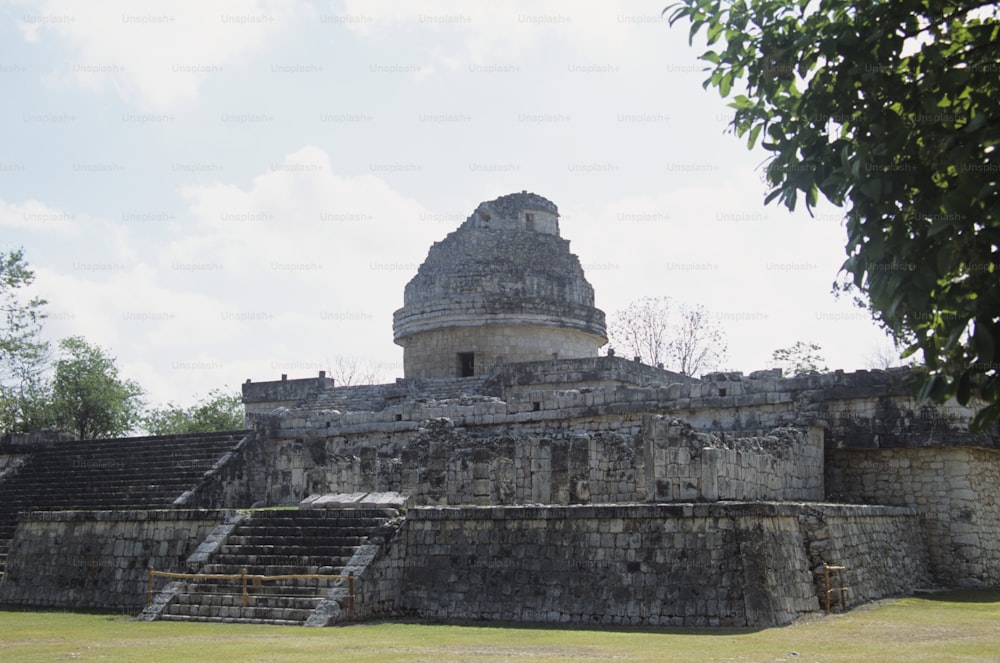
x=155 y=56
x=764 y=273
x=35 y=216
x=456 y=33
x=282 y=276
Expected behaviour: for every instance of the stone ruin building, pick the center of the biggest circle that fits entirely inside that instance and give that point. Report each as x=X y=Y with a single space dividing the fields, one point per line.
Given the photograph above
x=513 y=474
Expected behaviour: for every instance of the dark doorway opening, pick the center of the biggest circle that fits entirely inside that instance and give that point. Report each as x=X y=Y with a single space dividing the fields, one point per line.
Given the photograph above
x=466 y=364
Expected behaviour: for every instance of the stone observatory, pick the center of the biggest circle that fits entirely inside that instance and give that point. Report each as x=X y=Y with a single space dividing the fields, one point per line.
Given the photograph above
x=502 y=288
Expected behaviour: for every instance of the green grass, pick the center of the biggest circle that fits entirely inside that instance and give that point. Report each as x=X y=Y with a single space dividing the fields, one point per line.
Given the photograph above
x=955 y=626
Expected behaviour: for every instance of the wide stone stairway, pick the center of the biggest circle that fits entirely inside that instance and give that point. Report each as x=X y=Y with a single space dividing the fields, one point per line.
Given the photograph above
x=129 y=473
x=276 y=543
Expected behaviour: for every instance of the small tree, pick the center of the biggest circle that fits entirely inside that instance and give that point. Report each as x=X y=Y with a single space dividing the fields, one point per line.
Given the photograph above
x=218 y=411
x=23 y=355
x=698 y=342
x=351 y=370
x=87 y=395
x=646 y=329
x=643 y=329
x=800 y=359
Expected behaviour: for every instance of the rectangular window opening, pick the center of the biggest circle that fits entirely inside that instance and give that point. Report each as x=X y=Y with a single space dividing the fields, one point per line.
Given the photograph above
x=466 y=364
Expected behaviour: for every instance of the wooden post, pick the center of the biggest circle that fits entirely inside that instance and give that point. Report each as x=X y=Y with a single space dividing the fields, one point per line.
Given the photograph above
x=350 y=596
x=827 y=570
x=826 y=579
x=149 y=587
x=246 y=596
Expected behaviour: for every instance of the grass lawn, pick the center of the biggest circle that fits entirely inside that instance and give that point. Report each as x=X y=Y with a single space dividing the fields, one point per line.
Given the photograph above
x=953 y=626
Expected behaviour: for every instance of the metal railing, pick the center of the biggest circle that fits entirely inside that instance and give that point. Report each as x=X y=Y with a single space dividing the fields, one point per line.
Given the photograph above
x=256 y=580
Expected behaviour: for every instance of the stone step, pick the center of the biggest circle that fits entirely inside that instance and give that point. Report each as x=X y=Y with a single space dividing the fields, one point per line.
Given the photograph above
x=255 y=599
x=147 y=458
x=98 y=460
x=280 y=569
x=326 y=538
x=134 y=472
x=326 y=514
x=275 y=561
x=305 y=546
x=237 y=612
x=111 y=492
x=139 y=454
x=120 y=502
x=352 y=527
x=309 y=589
x=263 y=622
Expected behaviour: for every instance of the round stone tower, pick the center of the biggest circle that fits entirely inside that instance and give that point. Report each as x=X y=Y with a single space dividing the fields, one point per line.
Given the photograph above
x=503 y=287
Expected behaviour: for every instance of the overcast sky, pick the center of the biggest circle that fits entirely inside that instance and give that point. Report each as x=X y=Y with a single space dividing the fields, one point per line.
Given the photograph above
x=216 y=191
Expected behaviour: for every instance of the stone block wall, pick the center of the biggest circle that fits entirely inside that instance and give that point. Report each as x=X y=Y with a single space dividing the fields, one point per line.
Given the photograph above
x=444 y=465
x=674 y=565
x=856 y=410
x=882 y=548
x=263 y=397
x=434 y=354
x=682 y=464
x=953 y=488
x=583 y=374
x=237 y=480
x=683 y=565
x=98 y=559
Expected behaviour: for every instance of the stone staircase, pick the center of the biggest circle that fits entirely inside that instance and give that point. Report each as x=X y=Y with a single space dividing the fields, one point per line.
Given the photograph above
x=127 y=473
x=276 y=542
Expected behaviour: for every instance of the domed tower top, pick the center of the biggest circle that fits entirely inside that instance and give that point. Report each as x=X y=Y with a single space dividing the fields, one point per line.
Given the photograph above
x=503 y=287
x=517 y=211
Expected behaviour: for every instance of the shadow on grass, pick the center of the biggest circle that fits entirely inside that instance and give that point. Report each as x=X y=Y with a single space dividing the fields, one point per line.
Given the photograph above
x=961 y=596
x=579 y=627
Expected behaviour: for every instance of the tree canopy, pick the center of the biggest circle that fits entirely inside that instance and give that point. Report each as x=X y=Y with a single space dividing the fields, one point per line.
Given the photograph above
x=218 y=411
x=888 y=108
x=799 y=359
x=88 y=397
x=23 y=355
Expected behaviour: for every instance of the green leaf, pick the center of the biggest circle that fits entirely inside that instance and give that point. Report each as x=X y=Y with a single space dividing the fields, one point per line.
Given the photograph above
x=725 y=85
x=907 y=144
x=964 y=388
x=710 y=56
x=983 y=340
x=984 y=418
x=926 y=388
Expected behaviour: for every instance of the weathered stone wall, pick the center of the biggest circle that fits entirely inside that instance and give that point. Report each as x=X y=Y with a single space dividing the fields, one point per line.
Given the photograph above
x=882 y=548
x=862 y=409
x=378 y=576
x=263 y=397
x=444 y=465
x=98 y=559
x=682 y=464
x=677 y=565
x=953 y=488
x=434 y=354
x=10 y=463
x=238 y=479
x=586 y=373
